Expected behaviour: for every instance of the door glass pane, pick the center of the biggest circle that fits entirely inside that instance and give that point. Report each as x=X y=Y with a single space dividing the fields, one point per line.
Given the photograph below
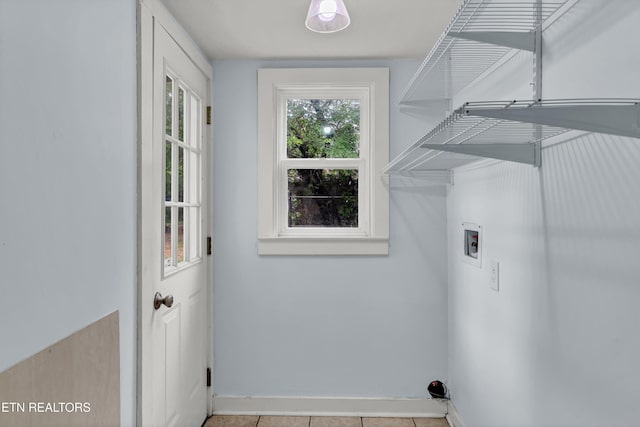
x=168 y=249
x=180 y=248
x=168 y=104
x=323 y=128
x=323 y=197
x=181 y=114
x=167 y=175
x=181 y=167
x=194 y=178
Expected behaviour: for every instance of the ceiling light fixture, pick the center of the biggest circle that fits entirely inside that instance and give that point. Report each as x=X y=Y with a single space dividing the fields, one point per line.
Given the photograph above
x=327 y=16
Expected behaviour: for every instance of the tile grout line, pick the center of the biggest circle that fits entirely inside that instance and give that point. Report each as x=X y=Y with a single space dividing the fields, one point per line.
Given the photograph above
x=310 y=423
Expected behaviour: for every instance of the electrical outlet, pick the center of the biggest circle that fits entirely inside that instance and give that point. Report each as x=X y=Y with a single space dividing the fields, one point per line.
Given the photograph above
x=494 y=275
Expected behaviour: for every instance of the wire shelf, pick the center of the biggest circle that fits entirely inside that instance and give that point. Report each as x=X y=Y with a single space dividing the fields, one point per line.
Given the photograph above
x=481 y=33
x=510 y=130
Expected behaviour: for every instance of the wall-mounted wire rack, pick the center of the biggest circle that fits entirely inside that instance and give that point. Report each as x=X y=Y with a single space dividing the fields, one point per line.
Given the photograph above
x=480 y=34
x=510 y=130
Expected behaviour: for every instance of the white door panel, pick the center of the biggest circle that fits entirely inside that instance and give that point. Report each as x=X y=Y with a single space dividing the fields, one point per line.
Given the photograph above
x=173 y=210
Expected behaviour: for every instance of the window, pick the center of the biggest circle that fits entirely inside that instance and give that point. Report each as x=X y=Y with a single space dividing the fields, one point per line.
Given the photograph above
x=324 y=138
x=182 y=165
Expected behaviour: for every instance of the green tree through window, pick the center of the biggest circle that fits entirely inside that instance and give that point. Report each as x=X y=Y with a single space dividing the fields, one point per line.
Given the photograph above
x=330 y=129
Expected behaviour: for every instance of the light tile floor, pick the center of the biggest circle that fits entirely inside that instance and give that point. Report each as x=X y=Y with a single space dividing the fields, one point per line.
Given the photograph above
x=264 y=421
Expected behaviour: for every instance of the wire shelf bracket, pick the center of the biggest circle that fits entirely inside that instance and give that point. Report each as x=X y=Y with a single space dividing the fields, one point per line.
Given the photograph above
x=621 y=119
x=520 y=153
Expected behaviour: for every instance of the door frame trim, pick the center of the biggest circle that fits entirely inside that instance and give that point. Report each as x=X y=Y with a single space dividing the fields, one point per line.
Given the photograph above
x=150 y=13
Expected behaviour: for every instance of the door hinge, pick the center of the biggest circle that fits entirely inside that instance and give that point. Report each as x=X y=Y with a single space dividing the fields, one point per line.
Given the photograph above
x=208 y=377
x=209 y=115
x=209 y=245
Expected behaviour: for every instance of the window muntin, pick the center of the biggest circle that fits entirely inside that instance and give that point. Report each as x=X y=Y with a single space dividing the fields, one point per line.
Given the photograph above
x=182 y=177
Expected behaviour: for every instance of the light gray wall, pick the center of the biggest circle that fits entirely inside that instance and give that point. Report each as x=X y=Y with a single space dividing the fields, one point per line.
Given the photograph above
x=558 y=345
x=67 y=175
x=322 y=326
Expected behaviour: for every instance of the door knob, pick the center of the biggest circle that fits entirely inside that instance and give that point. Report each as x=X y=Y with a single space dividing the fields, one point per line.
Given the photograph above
x=158 y=300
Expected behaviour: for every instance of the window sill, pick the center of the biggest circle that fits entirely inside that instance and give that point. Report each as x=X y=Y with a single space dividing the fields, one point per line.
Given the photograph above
x=323 y=246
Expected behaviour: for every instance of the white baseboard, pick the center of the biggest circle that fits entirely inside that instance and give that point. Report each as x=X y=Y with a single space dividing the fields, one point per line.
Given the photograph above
x=453 y=417
x=319 y=406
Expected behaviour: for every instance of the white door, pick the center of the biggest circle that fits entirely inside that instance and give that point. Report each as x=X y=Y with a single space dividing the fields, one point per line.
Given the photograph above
x=173 y=214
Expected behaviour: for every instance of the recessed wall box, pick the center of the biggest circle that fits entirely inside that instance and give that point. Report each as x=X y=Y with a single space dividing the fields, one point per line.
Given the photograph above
x=472 y=244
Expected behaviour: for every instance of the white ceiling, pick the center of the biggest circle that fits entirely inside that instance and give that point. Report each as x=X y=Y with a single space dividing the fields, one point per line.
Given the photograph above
x=275 y=29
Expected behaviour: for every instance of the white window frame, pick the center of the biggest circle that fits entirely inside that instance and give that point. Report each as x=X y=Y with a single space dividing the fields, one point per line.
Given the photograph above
x=371 y=87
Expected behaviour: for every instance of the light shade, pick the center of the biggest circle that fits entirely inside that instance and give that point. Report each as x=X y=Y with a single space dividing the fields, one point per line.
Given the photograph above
x=327 y=16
